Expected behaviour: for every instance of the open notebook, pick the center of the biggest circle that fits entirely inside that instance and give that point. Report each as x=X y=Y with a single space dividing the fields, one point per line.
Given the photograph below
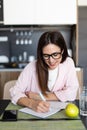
x=55 y=106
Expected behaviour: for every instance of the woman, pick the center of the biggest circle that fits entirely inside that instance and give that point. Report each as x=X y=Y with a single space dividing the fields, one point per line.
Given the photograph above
x=53 y=75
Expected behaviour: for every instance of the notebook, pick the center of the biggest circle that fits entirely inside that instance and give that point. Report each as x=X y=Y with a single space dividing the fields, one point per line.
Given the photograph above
x=55 y=106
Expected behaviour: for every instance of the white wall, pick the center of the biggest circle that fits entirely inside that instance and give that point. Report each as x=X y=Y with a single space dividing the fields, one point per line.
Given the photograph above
x=82 y=2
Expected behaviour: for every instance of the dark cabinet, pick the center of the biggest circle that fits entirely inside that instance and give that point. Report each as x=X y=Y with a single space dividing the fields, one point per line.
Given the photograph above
x=1 y=11
x=82 y=38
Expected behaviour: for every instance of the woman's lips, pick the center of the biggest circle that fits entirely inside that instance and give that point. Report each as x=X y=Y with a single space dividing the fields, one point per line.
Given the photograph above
x=52 y=64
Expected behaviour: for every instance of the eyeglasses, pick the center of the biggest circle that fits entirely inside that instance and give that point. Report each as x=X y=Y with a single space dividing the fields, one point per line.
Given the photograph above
x=55 y=55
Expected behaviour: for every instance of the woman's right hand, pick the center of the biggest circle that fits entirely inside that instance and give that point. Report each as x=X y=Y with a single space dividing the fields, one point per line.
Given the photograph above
x=36 y=105
x=40 y=106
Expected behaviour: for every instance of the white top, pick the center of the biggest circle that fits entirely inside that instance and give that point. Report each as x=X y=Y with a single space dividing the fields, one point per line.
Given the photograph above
x=52 y=76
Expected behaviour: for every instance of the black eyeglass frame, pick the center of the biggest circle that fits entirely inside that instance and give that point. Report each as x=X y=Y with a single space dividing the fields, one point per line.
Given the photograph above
x=52 y=55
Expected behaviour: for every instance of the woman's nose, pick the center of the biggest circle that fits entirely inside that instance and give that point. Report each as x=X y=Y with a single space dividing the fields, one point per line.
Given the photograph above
x=51 y=59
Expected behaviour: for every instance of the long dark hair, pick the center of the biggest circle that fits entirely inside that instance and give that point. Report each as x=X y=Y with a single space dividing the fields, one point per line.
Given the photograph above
x=53 y=37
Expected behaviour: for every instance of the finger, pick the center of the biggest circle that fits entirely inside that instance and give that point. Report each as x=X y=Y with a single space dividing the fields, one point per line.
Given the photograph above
x=43 y=107
x=42 y=110
x=47 y=104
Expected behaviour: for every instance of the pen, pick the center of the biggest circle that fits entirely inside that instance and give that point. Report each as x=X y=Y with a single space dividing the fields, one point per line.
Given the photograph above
x=42 y=97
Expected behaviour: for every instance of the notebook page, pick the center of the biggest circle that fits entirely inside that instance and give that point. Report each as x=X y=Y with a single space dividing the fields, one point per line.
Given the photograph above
x=54 y=107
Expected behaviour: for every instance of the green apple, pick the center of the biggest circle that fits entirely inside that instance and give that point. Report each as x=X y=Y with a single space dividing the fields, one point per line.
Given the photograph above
x=72 y=110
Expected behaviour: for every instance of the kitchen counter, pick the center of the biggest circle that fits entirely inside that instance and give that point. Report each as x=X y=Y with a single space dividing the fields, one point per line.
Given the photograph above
x=10 y=69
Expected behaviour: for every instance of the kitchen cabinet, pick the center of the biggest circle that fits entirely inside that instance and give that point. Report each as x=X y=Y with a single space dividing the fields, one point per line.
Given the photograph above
x=40 y=12
x=19 y=44
x=6 y=75
x=82 y=33
x=82 y=2
x=1 y=11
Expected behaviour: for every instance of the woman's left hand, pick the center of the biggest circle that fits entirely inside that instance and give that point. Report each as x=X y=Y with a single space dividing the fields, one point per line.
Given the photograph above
x=50 y=96
x=33 y=95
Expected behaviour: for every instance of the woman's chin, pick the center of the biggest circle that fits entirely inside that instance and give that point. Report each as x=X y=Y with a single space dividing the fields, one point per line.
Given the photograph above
x=52 y=66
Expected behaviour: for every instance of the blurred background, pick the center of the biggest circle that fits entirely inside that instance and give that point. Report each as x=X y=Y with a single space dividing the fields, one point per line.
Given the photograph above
x=23 y=21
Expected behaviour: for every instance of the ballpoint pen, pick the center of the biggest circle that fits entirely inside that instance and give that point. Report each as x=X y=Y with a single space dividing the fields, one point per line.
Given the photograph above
x=42 y=97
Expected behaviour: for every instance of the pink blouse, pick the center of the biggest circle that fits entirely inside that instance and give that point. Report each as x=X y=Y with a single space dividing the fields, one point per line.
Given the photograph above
x=65 y=87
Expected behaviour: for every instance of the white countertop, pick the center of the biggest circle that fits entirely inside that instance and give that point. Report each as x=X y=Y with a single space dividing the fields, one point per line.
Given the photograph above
x=20 y=69
x=10 y=69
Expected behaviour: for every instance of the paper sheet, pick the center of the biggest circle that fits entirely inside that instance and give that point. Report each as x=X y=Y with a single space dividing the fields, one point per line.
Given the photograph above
x=55 y=106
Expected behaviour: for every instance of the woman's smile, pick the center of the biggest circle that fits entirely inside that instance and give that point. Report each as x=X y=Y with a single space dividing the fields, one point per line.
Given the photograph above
x=53 y=65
